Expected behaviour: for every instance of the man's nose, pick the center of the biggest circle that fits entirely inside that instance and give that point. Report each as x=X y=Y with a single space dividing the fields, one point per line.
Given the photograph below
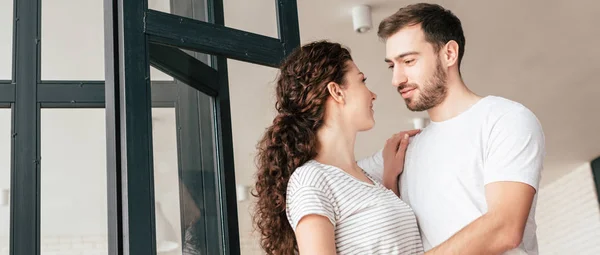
x=399 y=77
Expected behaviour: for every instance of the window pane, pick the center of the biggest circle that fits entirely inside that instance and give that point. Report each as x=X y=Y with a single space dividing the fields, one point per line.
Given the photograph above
x=185 y=174
x=5 y=141
x=166 y=180
x=252 y=110
x=195 y=9
x=72 y=50
x=157 y=75
x=72 y=40
x=73 y=182
x=6 y=37
x=257 y=16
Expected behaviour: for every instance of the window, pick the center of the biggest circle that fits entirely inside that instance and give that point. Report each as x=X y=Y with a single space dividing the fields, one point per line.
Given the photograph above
x=187 y=209
x=72 y=50
x=73 y=182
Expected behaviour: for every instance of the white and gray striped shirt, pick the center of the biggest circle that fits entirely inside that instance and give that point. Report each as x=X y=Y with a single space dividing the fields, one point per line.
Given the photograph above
x=368 y=219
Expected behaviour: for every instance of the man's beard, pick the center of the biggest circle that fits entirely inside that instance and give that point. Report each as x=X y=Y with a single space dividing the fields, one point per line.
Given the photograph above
x=431 y=94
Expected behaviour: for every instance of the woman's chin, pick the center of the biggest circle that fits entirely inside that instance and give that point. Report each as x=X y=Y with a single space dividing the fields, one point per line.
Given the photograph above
x=368 y=126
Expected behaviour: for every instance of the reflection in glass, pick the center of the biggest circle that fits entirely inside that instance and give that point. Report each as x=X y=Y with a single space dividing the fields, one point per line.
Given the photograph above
x=166 y=183
x=187 y=208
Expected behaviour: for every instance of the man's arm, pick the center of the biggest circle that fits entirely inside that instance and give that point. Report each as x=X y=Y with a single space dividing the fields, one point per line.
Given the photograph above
x=373 y=165
x=500 y=229
x=514 y=156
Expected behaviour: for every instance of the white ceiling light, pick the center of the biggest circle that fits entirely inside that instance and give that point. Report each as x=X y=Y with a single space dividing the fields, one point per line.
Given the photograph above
x=361 y=18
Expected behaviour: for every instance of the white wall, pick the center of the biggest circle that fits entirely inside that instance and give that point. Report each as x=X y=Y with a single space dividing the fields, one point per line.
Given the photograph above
x=568 y=215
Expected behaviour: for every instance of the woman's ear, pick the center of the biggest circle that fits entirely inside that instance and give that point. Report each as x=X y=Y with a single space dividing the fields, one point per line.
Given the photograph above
x=336 y=92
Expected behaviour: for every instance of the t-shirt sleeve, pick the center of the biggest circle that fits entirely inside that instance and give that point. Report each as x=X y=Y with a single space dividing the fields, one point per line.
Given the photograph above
x=303 y=199
x=515 y=149
x=373 y=165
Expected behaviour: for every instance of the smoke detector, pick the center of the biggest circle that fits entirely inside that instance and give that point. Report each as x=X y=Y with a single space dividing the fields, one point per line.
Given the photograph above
x=361 y=18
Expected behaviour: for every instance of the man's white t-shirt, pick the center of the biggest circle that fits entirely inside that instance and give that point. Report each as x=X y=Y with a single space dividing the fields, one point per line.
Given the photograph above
x=449 y=163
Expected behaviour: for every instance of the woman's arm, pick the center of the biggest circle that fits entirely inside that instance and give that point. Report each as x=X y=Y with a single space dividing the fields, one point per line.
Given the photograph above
x=315 y=235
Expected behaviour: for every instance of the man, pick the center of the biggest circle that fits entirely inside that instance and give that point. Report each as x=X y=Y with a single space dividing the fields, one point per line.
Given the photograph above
x=472 y=174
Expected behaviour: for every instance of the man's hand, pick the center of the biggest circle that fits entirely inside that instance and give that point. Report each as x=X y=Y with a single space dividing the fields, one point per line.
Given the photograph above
x=393 y=158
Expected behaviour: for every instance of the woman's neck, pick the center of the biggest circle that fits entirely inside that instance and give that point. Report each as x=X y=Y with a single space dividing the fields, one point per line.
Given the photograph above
x=336 y=147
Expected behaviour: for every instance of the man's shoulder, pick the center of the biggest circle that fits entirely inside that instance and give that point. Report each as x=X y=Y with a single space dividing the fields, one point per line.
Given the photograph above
x=508 y=116
x=501 y=105
x=498 y=108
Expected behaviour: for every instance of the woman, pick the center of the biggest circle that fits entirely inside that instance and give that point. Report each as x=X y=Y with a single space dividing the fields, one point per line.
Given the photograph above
x=313 y=197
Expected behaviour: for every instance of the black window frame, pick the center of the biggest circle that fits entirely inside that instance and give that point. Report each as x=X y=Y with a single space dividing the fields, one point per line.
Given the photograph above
x=157 y=33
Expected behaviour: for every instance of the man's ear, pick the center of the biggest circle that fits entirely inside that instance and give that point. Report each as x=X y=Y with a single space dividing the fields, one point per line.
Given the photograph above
x=336 y=92
x=450 y=53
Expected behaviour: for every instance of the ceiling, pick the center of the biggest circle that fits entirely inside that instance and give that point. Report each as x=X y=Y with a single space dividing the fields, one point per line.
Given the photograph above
x=544 y=54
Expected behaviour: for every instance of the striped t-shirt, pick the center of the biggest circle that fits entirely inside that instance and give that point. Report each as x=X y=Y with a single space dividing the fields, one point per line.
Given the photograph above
x=368 y=219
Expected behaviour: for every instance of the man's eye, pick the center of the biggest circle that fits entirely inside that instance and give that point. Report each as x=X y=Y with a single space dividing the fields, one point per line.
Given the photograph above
x=409 y=61
x=390 y=67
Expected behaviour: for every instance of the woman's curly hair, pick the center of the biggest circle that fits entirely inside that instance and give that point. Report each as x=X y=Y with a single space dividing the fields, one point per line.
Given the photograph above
x=291 y=140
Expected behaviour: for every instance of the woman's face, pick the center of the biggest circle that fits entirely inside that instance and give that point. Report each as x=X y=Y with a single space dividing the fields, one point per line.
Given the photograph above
x=358 y=100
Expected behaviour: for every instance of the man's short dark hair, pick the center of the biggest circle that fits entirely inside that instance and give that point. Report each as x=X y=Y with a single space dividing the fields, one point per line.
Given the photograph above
x=438 y=24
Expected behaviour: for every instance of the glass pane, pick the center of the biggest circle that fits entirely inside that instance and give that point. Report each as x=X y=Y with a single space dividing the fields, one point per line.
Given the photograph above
x=6 y=37
x=166 y=181
x=5 y=141
x=73 y=50
x=257 y=16
x=73 y=182
x=157 y=75
x=252 y=97
x=187 y=207
x=195 y=9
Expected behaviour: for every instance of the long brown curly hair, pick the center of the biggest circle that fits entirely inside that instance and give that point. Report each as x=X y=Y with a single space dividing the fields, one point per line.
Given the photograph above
x=291 y=140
